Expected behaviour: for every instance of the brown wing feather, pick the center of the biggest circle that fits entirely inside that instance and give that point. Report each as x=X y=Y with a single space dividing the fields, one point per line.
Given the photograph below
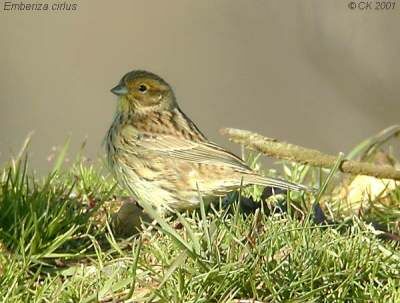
x=179 y=138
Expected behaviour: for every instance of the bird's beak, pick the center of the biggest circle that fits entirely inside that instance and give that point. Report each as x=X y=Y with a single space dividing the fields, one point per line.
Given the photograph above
x=119 y=90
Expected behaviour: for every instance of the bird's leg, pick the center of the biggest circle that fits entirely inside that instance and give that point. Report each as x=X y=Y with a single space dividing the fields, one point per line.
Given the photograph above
x=147 y=229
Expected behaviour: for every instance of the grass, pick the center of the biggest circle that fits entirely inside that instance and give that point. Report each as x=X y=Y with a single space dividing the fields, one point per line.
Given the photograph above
x=57 y=245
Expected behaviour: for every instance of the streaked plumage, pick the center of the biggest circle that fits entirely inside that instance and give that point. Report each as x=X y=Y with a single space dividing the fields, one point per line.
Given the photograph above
x=160 y=155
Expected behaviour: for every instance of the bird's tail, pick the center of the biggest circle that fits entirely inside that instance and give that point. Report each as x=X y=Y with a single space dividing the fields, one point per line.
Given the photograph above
x=277 y=183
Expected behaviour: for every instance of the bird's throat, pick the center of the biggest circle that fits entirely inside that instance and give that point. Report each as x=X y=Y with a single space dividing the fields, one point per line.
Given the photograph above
x=124 y=105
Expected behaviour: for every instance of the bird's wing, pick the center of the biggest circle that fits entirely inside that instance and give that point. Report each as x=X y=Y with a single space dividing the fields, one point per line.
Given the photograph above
x=203 y=152
x=184 y=149
x=208 y=153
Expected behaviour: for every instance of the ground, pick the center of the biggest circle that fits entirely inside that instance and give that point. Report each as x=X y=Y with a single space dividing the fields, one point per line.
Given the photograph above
x=59 y=244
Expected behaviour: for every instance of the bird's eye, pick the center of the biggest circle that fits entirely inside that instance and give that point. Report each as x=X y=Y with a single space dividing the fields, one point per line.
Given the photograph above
x=143 y=88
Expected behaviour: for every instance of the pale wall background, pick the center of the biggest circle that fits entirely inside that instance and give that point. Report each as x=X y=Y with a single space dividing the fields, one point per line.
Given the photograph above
x=310 y=72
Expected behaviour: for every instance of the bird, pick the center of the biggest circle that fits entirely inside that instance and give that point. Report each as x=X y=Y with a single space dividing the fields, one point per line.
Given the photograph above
x=161 y=157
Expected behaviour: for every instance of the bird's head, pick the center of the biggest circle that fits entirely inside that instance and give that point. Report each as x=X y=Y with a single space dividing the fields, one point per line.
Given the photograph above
x=142 y=92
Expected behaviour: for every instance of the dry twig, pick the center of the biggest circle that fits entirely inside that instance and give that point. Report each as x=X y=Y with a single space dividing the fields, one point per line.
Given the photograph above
x=291 y=152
